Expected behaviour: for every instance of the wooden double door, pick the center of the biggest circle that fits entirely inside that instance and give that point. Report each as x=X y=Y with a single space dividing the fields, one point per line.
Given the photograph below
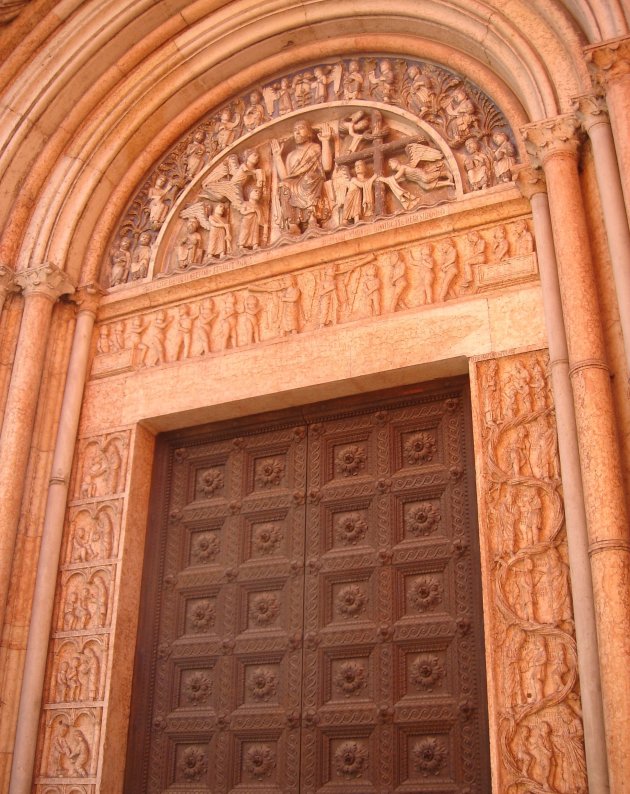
x=311 y=617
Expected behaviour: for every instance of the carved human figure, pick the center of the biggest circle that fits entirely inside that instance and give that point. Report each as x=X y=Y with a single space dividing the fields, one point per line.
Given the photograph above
x=461 y=116
x=568 y=744
x=189 y=250
x=195 y=154
x=473 y=254
x=544 y=754
x=491 y=390
x=523 y=239
x=477 y=164
x=517 y=452
x=202 y=329
x=80 y=547
x=70 y=752
x=426 y=168
x=503 y=155
x=372 y=290
x=500 y=244
x=338 y=186
x=100 y=538
x=103 y=343
x=397 y=275
x=155 y=338
x=156 y=195
x=251 y=320
x=117 y=337
x=220 y=236
x=301 y=177
x=512 y=650
x=543 y=448
x=252 y=222
x=95 y=474
x=422 y=257
x=141 y=257
x=183 y=337
x=447 y=254
x=227 y=322
x=554 y=584
x=326 y=297
x=290 y=303
x=302 y=89
x=134 y=342
x=88 y=670
x=61 y=682
x=383 y=83
x=322 y=78
x=558 y=667
x=353 y=81
x=419 y=92
x=517 y=391
x=121 y=262
x=225 y=130
x=255 y=113
x=359 y=201
x=531 y=510
x=113 y=482
x=508 y=518
x=285 y=97
x=534 y=668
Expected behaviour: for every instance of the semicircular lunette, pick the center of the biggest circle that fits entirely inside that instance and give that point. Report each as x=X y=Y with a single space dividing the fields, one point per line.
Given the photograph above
x=334 y=146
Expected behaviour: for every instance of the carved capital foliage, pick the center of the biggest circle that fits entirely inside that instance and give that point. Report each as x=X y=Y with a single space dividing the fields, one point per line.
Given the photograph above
x=7 y=280
x=530 y=181
x=552 y=137
x=609 y=61
x=591 y=109
x=47 y=279
x=87 y=297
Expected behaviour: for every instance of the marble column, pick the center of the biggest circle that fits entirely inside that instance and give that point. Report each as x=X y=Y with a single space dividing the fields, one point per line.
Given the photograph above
x=554 y=143
x=87 y=299
x=593 y=115
x=532 y=185
x=610 y=67
x=41 y=287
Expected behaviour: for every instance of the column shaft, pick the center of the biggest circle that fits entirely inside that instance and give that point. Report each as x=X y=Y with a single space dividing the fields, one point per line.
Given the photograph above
x=43 y=601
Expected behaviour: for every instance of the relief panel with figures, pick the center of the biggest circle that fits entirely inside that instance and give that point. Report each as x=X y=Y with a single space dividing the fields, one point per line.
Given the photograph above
x=317 y=626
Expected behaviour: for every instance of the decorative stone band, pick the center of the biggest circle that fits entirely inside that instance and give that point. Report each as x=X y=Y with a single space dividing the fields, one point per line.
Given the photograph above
x=47 y=280
x=608 y=545
x=588 y=363
x=609 y=61
x=556 y=137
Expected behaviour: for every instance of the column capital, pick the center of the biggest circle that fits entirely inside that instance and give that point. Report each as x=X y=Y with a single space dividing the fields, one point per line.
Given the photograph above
x=559 y=136
x=609 y=61
x=87 y=297
x=47 y=280
x=530 y=181
x=590 y=109
x=7 y=280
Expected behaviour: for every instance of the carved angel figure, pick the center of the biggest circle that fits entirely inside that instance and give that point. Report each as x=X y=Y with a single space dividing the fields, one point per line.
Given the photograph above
x=228 y=180
x=433 y=173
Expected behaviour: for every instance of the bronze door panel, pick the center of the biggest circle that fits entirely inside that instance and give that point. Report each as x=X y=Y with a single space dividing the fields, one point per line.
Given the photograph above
x=318 y=623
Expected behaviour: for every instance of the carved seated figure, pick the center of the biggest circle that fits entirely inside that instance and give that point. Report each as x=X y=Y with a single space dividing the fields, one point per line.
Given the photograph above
x=300 y=201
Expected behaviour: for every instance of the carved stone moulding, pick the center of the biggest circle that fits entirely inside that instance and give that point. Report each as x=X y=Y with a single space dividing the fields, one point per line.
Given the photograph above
x=312 y=299
x=333 y=147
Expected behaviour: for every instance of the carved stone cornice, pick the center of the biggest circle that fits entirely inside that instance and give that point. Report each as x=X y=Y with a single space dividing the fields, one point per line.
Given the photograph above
x=609 y=61
x=530 y=181
x=7 y=281
x=556 y=137
x=87 y=297
x=590 y=109
x=47 y=280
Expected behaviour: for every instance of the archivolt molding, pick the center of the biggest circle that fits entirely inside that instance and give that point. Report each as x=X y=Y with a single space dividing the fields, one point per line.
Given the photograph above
x=207 y=48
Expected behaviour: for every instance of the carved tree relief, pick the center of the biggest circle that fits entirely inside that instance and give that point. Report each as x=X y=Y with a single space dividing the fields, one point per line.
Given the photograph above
x=535 y=705
x=336 y=146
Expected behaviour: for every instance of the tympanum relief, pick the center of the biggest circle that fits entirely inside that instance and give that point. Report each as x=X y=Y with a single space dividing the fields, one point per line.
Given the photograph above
x=365 y=286
x=537 y=718
x=339 y=145
x=78 y=654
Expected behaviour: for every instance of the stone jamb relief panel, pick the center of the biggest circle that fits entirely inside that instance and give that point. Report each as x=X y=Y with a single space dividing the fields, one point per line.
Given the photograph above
x=335 y=146
x=535 y=715
x=79 y=652
x=363 y=287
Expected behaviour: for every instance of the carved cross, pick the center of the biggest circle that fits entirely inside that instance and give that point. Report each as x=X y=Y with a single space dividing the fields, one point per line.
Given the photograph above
x=378 y=152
